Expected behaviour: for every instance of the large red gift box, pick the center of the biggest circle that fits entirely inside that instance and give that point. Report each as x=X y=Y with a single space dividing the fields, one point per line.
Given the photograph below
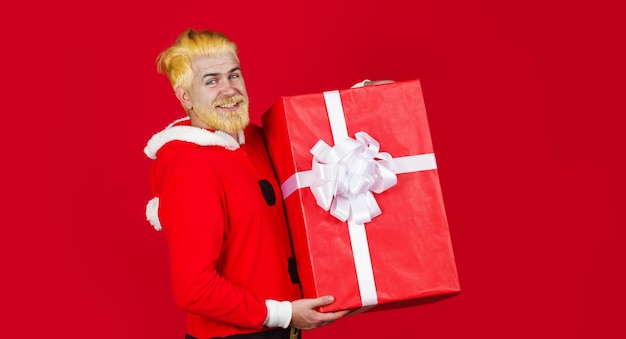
x=361 y=190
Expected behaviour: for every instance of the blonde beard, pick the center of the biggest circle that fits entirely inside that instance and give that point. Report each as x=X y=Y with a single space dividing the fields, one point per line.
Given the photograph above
x=229 y=122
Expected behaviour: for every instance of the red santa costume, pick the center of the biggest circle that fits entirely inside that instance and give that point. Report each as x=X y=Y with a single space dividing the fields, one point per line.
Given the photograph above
x=219 y=205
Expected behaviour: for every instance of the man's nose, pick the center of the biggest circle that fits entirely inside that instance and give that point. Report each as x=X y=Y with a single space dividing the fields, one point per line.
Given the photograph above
x=227 y=88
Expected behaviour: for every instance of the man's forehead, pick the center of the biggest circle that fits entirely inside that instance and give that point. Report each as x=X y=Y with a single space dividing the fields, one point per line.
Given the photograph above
x=214 y=64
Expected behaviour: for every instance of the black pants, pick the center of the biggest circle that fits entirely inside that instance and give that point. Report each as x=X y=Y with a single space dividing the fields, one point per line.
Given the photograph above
x=278 y=333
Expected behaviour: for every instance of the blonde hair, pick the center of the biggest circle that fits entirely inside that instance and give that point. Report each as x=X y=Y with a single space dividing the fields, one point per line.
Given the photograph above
x=175 y=62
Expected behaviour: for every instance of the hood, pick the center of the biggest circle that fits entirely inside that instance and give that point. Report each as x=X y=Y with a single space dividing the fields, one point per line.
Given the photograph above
x=181 y=130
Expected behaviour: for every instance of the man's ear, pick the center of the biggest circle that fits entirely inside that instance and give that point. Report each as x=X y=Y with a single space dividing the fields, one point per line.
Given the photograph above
x=183 y=97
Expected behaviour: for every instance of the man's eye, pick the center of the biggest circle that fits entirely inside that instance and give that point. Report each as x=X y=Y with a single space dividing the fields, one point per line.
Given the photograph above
x=235 y=76
x=211 y=82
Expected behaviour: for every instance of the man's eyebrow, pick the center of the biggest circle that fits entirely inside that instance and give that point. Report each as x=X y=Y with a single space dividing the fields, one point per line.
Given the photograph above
x=234 y=69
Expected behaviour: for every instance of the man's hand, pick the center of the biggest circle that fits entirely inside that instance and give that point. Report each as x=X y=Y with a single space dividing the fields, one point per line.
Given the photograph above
x=377 y=82
x=305 y=317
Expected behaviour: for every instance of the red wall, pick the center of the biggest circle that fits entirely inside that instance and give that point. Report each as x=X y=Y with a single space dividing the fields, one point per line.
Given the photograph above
x=525 y=104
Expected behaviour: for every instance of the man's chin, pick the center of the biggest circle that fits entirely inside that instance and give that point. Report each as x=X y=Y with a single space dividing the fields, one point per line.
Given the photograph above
x=230 y=122
x=234 y=126
x=234 y=130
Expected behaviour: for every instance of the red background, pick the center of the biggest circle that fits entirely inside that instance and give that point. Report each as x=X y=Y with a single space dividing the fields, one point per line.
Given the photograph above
x=525 y=104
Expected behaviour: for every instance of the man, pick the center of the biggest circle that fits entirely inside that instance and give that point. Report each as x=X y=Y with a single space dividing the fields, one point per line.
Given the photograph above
x=219 y=204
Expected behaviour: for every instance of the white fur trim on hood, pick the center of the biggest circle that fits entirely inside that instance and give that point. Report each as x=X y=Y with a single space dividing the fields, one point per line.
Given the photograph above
x=196 y=135
x=152 y=213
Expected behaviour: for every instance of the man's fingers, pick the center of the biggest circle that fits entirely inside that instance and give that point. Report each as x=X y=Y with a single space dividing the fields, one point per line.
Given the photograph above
x=332 y=316
x=329 y=317
x=342 y=313
x=322 y=301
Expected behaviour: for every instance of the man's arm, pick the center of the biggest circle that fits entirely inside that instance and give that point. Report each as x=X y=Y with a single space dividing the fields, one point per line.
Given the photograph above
x=193 y=222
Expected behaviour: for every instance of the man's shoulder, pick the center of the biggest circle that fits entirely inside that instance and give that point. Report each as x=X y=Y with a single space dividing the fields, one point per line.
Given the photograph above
x=176 y=149
x=188 y=149
x=188 y=160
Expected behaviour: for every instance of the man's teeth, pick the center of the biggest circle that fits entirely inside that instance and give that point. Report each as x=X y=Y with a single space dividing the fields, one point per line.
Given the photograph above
x=228 y=105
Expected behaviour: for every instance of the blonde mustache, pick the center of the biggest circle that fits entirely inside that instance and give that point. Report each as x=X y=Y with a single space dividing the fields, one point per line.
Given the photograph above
x=231 y=100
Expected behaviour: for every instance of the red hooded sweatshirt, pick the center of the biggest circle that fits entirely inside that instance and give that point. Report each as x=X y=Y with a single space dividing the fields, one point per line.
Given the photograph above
x=220 y=207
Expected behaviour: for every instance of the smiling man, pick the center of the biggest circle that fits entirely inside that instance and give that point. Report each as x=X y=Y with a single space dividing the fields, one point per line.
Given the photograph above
x=217 y=98
x=219 y=205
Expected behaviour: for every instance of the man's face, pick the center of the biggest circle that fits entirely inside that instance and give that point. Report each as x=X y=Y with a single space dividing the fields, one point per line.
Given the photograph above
x=218 y=98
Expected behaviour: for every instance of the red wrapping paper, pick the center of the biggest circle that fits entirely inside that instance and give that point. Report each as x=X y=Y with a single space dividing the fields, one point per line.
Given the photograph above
x=409 y=243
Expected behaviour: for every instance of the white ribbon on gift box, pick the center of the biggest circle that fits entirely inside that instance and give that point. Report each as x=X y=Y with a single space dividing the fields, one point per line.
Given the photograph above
x=342 y=179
